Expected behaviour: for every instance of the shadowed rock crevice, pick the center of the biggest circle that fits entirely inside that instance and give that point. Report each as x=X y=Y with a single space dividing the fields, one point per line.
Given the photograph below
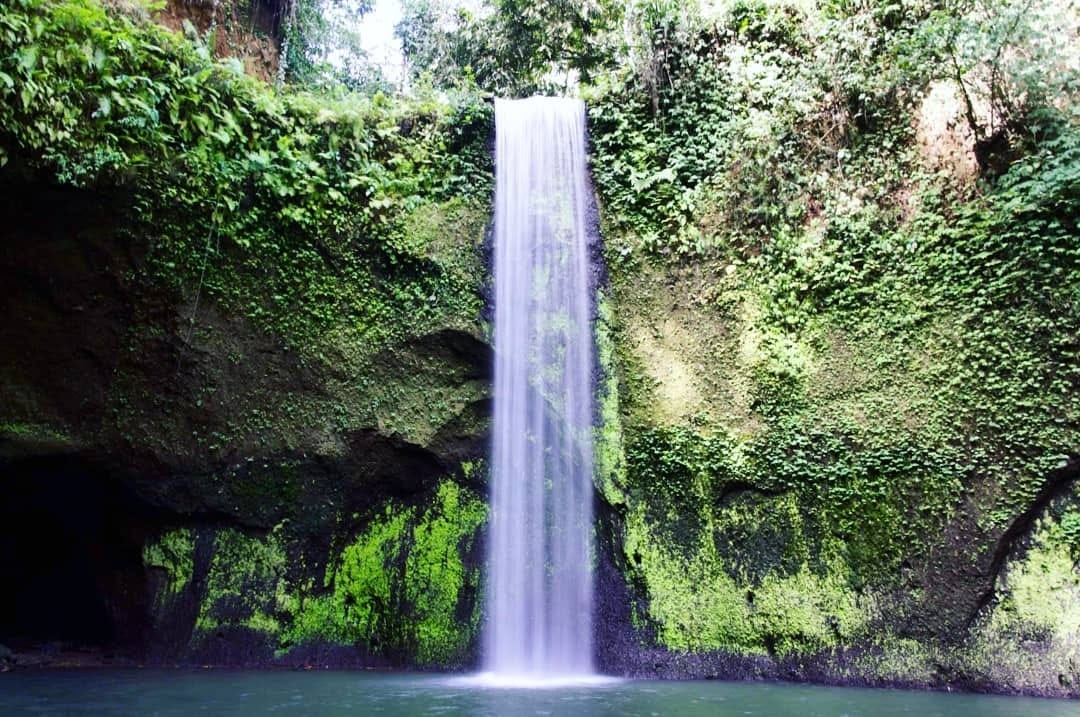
x=1058 y=483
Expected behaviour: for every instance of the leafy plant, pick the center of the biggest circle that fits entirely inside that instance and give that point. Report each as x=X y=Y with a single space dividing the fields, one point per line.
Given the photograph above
x=285 y=208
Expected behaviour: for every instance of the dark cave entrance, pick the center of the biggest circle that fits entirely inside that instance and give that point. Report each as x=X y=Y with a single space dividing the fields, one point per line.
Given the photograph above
x=71 y=556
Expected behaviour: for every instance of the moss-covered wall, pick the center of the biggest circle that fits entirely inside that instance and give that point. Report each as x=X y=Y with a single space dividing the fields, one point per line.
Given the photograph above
x=402 y=591
x=839 y=487
x=260 y=311
x=839 y=375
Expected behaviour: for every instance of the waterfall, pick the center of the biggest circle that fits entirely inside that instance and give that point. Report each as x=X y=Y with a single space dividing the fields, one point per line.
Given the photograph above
x=539 y=614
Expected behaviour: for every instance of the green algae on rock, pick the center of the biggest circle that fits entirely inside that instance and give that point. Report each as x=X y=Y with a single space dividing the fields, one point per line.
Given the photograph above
x=404 y=590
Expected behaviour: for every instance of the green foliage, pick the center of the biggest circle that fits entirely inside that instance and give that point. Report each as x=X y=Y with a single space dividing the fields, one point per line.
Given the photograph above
x=679 y=473
x=729 y=127
x=172 y=551
x=440 y=40
x=737 y=123
x=877 y=491
x=897 y=348
x=507 y=47
x=315 y=30
x=284 y=208
x=1008 y=58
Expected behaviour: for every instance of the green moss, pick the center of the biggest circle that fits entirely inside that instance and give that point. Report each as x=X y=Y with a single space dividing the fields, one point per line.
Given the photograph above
x=366 y=581
x=436 y=579
x=1027 y=639
x=893 y=660
x=1039 y=594
x=610 y=460
x=807 y=612
x=760 y=534
x=33 y=432
x=315 y=617
x=265 y=483
x=693 y=603
x=173 y=551
x=246 y=582
x=262 y=622
x=401 y=589
x=698 y=600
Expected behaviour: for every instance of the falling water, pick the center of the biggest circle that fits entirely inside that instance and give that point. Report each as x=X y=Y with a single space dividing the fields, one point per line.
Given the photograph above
x=540 y=589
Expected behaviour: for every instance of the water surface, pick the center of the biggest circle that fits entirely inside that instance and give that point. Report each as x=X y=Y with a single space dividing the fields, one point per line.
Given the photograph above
x=182 y=692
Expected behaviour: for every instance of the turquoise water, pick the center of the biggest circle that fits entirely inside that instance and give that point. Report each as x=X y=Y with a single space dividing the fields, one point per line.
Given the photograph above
x=180 y=692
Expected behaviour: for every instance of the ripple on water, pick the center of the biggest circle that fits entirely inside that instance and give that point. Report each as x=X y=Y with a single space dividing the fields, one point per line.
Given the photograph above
x=499 y=680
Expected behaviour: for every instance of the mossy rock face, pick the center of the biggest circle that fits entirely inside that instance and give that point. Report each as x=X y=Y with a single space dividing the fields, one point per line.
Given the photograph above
x=255 y=316
x=833 y=400
x=815 y=505
x=205 y=411
x=403 y=590
x=246 y=443
x=1035 y=603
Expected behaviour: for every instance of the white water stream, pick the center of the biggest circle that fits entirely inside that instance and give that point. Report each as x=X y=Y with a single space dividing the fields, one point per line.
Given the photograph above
x=539 y=614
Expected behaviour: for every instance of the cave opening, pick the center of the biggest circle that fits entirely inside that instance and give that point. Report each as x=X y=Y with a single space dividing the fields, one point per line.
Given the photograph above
x=71 y=539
